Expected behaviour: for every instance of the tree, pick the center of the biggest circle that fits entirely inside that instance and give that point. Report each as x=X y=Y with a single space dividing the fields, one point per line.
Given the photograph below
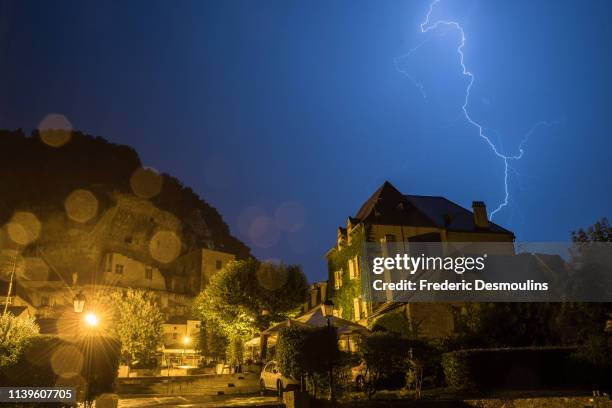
x=237 y=295
x=211 y=343
x=586 y=323
x=601 y=231
x=137 y=324
x=235 y=352
x=15 y=334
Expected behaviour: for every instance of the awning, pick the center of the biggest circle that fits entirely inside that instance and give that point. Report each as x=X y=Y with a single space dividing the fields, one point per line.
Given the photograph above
x=315 y=318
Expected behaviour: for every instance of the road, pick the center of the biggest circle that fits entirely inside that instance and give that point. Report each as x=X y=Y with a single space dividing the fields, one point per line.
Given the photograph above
x=201 y=401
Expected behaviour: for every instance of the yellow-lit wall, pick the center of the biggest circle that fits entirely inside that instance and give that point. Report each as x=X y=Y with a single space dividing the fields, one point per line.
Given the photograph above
x=210 y=260
x=133 y=274
x=434 y=320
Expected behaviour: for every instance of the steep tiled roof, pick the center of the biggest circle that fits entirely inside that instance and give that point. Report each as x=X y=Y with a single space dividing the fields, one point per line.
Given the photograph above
x=388 y=206
x=447 y=214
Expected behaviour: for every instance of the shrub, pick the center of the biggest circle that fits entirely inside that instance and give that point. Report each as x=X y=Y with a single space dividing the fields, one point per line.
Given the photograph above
x=306 y=353
x=525 y=367
x=291 y=353
x=15 y=334
x=51 y=361
x=386 y=356
x=33 y=368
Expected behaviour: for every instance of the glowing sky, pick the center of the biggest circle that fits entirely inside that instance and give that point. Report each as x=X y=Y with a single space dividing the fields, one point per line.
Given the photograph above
x=287 y=115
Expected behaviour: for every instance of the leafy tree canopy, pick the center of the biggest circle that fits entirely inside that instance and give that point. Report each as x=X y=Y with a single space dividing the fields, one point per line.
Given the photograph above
x=136 y=322
x=601 y=231
x=237 y=296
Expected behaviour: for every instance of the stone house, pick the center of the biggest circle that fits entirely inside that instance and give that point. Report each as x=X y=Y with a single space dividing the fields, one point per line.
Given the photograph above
x=391 y=216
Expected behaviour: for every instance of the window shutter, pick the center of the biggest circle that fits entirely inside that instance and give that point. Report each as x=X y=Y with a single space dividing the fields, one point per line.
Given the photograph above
x=357 y=308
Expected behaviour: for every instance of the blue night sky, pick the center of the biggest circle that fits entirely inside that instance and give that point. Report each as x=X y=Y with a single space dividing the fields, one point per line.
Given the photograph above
x=277 y=111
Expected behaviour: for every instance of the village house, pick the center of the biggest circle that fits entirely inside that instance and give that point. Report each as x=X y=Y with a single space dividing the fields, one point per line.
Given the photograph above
x=391 y=216
x=49 y=296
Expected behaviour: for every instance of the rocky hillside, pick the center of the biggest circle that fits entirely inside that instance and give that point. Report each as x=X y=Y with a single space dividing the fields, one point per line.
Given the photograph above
x=88 y=192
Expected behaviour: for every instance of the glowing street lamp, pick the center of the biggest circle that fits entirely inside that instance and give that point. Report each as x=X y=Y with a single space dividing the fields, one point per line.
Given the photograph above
x=186 y=341
x=327 y=308
x=91 y=320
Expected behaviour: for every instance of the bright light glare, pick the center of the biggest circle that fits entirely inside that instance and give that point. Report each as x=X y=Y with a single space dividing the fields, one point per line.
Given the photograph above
x=186 y=340
x=91 y=320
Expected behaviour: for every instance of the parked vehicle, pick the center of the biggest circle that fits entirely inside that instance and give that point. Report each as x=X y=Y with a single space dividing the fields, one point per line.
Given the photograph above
x=272 y=379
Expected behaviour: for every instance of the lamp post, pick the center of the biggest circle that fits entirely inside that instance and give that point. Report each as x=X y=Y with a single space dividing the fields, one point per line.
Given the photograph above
x=263 y=338
x=327 y=308
x=91 y=321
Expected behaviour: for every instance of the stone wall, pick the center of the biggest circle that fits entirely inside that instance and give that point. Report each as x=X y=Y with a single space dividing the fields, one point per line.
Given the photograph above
x=208 y=384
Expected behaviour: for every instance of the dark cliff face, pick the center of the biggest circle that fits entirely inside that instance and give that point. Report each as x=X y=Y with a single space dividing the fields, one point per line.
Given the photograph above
x=37 y=177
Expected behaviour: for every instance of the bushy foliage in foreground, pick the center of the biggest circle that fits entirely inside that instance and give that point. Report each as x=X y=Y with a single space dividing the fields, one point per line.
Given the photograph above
x=386 y=356
x=54 y=362
x=524 y=367
x=307 y=354
x=15 y=334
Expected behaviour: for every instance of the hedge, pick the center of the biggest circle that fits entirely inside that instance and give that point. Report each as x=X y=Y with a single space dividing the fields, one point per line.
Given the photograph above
x=52 y=361
x=522 y=367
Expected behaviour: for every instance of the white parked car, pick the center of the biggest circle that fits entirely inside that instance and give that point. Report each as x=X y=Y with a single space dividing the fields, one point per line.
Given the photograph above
x=272 y=379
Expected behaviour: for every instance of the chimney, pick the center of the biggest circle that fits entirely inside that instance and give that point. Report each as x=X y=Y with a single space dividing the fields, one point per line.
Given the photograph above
x=480 y=214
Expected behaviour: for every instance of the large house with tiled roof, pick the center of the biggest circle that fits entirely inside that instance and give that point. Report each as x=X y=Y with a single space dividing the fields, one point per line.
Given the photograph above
x=391 y=216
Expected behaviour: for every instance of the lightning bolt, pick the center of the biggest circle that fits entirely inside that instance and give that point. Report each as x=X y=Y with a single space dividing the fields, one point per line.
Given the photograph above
x=427 y=26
